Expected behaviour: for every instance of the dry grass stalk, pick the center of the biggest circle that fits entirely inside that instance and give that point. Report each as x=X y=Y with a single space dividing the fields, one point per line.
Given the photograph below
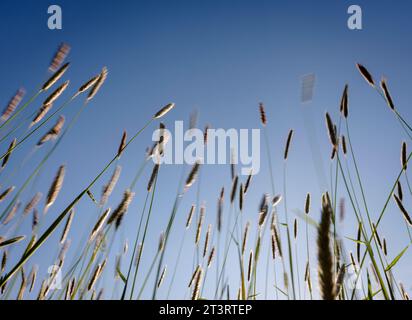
x=11 y=213
x=404 y=157
x=248 y=180
x=273 y=244
x=56 y=94
x=331 y=131
x=385 y=248
x=405 y=295
x=276 y=200
x=122 y=208
x=245 y=236
x=36 y=218
x=365 y=74
x=13 y=104
x=162 y=112
x=207 y=238
x=375 y=231
x=67 y=227
x=162 y=277
x=9 y=151
x=399 y=189
x=249 y=268
x=220 y=209
x=41 y=113
x=23 y=286
x=108 y=188
x=88 y=84
x=234 y=189
x=263 y=211
x=99 y=224
x=199 y=225
x=33 y=277
x=387 y=95
x=287 y=147
x=194 y=274
x=6 y=193
x=192 y=175
x=122 y=144
x=54 y=132
x=3 y=260
x=262 y=112
x=206 y=134
x=344 y=102
x=358 y=238
x=55 y=77
x=326 y=282
x=95 y=276
x=241 y=196
x=344 y=148
x=295 y=228
x=198 y=282
x=307 y=204
x=190 y=216
x=55 y=188
x=339 y=281
x=403 y=210
x=153 y=177
x=4 y=242
x=161 y=245
x=70 y=288
x=98 y=84
x=211 y=256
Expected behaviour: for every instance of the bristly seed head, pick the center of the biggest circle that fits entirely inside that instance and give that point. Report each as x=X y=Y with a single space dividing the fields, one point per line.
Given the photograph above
x=387 y=95
x=404 y=158
x=331 y=131
x=344 y=102
x=162 y=112
x=55 y=77
x=403 y=210
x=288 y=141
x=365 y=74
x=262 y=114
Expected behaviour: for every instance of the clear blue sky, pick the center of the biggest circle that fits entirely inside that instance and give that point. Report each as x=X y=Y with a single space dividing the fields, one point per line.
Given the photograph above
x=221 y=58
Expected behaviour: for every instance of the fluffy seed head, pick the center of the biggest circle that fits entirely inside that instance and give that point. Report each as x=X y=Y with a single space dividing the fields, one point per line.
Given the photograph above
x=162 y=112
x=122 y=208
x=55 y=77
x=108 y=188
x=56 y=93
x=98 y=84
x=55 y=188
x=54 y=132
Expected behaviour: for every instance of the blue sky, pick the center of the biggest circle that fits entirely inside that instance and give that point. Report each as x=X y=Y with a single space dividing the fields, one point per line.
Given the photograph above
x=221 y=58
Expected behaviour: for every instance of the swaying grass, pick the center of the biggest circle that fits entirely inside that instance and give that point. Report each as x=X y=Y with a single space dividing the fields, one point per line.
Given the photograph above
x=228 y=240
